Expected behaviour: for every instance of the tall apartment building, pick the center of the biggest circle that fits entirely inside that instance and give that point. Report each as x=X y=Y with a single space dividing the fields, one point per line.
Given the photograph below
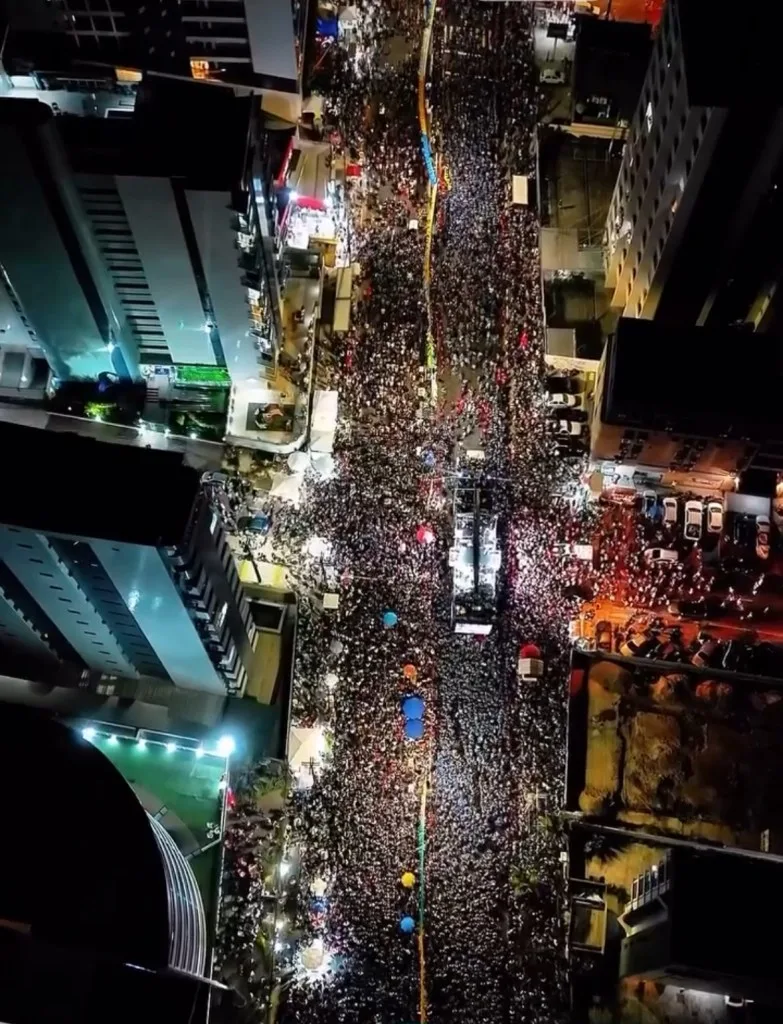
x=129 y=243
x=696 y=208
x=112 y=559
x=253 y=44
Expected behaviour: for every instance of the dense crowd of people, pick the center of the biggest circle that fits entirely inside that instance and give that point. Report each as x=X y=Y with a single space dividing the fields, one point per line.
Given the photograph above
x=492 y=756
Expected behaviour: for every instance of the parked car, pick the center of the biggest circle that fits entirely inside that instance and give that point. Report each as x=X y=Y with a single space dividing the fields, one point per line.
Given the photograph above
x=711 y=607
x=569 y=428
x=742 y=530
x=584 y=552
x=649 y=504
x=707 y=654
x=637 y=645
x=661 y=556
x=603 y=635
x=762 y=536
x=714 y=517
x=561 y=398
x=694 y=513
x=668 y=648
x=552 y=76
x=669 y=511
x=557 y=384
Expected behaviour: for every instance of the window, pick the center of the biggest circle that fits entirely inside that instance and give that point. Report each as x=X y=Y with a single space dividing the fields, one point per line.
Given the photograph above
x=648 y=115
x=221 y=616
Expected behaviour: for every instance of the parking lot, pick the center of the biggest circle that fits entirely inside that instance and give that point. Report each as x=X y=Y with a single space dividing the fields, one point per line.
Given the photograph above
x=679 y=579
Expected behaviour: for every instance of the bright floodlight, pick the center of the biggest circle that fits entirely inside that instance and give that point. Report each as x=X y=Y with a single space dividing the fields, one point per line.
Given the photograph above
x=284 y=868
x=89 y=733
x=112 y=739
x=200 y=751
x=293 y=195
x=226 y=746
x=170 y=748
x=141 y=743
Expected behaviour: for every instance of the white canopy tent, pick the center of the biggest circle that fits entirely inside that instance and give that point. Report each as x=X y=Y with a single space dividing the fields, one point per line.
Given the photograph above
x=305 y=754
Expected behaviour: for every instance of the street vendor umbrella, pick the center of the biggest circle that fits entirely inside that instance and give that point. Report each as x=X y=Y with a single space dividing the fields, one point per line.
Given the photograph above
x=424 y=534
x=529 y=651
x=298 y=462
x=414 y=729
x=408 y=879
x=410 y=672
x=413 y=707
x=314 y=955
x=390 y=619
x=407 y=924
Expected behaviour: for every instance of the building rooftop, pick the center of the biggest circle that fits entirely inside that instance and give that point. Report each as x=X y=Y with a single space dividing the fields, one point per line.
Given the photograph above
x=164 y=138
x=693 y=380
x=730 y=62
x=610 y=64
x=65 y=483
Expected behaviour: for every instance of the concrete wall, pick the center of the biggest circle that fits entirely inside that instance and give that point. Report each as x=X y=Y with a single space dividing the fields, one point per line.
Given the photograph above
x=211 y=216
x=157 y=231
x=41 y=270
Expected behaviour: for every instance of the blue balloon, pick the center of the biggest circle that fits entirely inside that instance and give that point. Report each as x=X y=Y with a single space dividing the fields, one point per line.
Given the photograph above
x=390 y=619
x=414 y=729
x=413 y=707
x=407 y=924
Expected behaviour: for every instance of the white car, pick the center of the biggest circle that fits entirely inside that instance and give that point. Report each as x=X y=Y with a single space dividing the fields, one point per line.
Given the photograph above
x=553 y=76
x=669 y=511
x=694 y=513
x=572 y=401
x=570 y=428
x=714 y=517
x=661 y=556
x=762 y=536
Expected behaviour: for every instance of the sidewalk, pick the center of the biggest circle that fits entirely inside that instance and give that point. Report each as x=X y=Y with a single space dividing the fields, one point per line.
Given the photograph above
x=272 y=413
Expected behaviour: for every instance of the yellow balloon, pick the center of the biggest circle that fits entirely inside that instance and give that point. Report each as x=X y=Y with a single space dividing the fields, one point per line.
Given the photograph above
x=408 y=879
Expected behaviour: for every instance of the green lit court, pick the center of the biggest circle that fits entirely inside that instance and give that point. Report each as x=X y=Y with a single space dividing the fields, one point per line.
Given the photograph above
x=183 y=791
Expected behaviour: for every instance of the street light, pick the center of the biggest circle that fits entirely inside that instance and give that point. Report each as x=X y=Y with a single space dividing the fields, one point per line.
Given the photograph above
x=226 y=746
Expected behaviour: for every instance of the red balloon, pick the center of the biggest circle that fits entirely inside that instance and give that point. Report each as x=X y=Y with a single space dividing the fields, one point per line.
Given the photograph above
x=424 y=535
